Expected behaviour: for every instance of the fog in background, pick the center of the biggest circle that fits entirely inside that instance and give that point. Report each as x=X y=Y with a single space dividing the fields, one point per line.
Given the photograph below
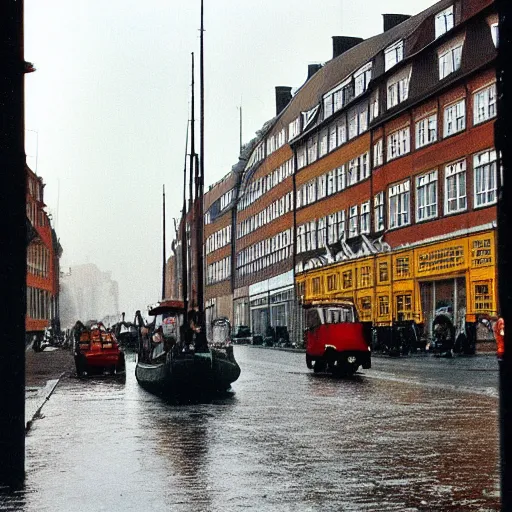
x=107 y=108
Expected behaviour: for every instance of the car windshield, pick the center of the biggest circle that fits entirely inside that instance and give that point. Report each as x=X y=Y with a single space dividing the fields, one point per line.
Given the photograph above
x=337 y=315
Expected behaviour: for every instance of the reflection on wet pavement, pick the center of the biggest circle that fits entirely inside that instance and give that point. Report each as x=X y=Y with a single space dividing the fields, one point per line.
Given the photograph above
x=287 y=440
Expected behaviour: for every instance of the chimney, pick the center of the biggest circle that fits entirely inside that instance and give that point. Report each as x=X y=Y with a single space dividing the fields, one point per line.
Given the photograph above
x=312 y=69
x=340 y=44
x=392 y=20
x=283 y=97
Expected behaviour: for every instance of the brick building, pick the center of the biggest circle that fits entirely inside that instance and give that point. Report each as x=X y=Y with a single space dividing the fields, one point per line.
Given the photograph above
x=43 y=255
x=376 y=181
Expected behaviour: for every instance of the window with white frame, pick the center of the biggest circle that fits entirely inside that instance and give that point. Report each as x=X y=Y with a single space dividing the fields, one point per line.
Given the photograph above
x=281 y=138
x=324 y=135
x=378 y=211
x=455 y=118
x=426 y=131
x=393 y=54
x=399 y=201
x=449 y=57
x=301 y=156
x=328 y=106
x=378 y=153
x=426 y=196
x=362 y=78
x=322 y=186
x=398 y=143
x=353 y=171
x=374 y=105
x=363 y=117
x=484 y=104
x=312 y=149
x=332 y=137
x=353 y=222
x=364 y=218
x=455 y=187
x=322 y=233
x=353 y=122
x=364 y=166
x=398 y=87
x=294 y=128
x=341 y=178
x=444 y=21
x=485 y=175
x=342 y=130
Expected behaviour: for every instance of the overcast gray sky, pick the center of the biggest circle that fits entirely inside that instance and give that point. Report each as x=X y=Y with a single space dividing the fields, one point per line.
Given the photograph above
x=110 y=103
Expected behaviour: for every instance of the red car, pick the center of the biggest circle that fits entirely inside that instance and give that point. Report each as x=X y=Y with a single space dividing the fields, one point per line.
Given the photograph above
x=97 y=351
x=336 y=340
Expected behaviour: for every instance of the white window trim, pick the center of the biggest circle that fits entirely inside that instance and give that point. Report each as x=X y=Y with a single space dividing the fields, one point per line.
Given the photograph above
x=492 y=159
x=431 y=177
x=392 y=50
x=448 y=173
x=444 y=13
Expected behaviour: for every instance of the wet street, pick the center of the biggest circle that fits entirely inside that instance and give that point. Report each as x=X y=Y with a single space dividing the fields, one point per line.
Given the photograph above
x=417 y=433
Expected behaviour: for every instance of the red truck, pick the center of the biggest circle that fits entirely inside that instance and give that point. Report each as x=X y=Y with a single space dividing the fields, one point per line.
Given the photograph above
x=336 y=341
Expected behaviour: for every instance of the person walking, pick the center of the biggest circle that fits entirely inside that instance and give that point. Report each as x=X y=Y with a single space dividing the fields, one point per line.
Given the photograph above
x=499 y=336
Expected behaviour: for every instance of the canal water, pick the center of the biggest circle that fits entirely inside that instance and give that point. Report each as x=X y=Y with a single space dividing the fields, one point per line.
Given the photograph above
x=285 y=440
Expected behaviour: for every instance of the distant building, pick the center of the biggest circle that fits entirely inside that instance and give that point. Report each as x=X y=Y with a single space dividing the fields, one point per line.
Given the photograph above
x=87 y=293
x=43 y=255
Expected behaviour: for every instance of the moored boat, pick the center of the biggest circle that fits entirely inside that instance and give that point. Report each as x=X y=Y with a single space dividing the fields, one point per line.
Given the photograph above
x=171 y=361
x=96 y=350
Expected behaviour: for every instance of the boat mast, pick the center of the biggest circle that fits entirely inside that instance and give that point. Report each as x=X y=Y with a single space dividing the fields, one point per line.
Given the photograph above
x=192 y=141
x=193 y=178
x=163 y=244
x=184 y=244
x=200 y=214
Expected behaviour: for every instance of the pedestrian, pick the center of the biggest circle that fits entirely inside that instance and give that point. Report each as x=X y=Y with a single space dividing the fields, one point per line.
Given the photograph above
x=499 y=336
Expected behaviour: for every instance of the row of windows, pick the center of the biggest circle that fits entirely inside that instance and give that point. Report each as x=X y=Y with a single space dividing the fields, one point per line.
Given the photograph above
x=38 y=260
x=218 y=239
x=264 y=253
x=333 y=136
x=39 y=304
x=226 y=198
x=276 y=141
x=262 y=185
x=336 y=180
x=328 y=230
x=270 y=213
x=455 y=190
x=454 y=121
x=219 y=271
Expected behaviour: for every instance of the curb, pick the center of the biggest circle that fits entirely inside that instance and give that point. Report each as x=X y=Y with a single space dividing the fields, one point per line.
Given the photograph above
x=33 y=410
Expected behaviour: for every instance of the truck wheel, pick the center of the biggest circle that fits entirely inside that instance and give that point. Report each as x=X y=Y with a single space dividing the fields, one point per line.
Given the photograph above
x=319 y=366
x=309 y=362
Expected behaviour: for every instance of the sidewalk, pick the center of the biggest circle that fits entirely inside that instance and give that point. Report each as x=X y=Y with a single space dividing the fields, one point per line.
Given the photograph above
x=43 y=370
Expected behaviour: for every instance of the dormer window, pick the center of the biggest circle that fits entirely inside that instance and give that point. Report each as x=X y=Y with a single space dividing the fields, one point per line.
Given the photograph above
x=393 y=54
x=450 y=57
x=444 y=21
x=362 y=78
x=398 y=87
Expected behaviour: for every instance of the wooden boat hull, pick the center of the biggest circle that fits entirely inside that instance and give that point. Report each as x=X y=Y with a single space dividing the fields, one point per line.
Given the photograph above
x=190 y=374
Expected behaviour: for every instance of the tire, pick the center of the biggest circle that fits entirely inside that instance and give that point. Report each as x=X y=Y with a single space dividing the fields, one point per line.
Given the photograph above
x=319 y=366
x=309 y=362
